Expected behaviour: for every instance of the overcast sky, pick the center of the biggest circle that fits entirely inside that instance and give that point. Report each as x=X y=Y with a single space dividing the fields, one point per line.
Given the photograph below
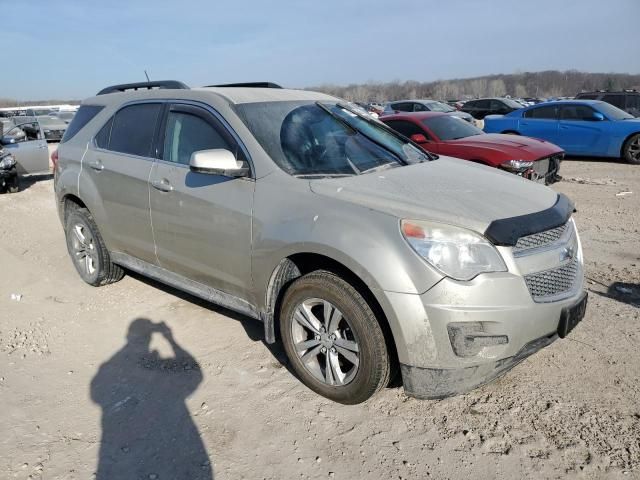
x=72 y=48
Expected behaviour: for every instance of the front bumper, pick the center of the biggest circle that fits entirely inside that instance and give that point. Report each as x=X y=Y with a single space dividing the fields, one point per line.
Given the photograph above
x=8 y=174
x=500 y=303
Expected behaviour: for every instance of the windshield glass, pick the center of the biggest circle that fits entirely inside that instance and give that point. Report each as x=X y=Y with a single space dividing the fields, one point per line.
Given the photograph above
x=612 y=112
x=446 y=127
x=511 y=103
x=47 y=121
x=440 y=107
x=325 y=139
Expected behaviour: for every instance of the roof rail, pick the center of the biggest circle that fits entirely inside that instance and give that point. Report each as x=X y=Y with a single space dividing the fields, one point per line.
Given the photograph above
x=249 y=85
x=160 y=84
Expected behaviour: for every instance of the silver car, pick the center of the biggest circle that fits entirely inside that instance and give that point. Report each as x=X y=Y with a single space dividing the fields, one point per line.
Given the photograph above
x=360 y=252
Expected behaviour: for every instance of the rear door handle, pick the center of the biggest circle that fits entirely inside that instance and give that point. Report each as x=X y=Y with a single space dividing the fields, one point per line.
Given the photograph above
x=162 y=185
x=97 y=165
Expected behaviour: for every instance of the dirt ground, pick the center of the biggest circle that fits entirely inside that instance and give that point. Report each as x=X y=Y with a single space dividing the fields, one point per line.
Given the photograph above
x=572 y=410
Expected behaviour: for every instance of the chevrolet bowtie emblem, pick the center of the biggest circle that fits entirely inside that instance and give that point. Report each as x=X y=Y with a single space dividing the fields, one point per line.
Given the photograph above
x=566 y=253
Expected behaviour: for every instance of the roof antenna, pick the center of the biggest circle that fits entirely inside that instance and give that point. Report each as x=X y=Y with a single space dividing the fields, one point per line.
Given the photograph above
x=146 y=75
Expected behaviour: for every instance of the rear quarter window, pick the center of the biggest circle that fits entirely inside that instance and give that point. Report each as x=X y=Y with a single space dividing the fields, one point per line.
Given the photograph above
x=84 y=115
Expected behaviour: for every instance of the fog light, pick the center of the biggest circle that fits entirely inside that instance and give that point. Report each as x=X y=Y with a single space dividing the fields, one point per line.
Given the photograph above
x=468 y=338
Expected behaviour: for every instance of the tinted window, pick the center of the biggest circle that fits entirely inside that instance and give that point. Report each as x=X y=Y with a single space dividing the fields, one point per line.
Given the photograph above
x=446 y=127
x=633 y=102
x=497 y=106
x=588 y=96
x=576 y=112
x=481 y=104
x=103 y=136
x=402 y=107
x=133 y=129
x=548 y=112
x=187 y=133
x=83 y=116
x=419 y=107
x=616 y=100
x=406 y=128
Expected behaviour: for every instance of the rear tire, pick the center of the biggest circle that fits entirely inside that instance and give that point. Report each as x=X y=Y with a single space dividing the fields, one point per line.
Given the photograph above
x=88 y=251
x=631 y=150
x=333 y=339
x=14 y=185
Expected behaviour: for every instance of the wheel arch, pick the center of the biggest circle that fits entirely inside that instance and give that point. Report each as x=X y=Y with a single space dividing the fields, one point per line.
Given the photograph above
x=625 y=141
x=298 y=264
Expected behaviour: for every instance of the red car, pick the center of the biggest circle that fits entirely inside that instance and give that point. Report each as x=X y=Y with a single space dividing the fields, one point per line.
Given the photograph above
x=443 y=134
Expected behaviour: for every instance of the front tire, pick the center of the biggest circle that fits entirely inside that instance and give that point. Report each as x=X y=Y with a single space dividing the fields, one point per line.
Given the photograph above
x=14 y=185
x=333 y=339
x=88 y=251
x=631 y=150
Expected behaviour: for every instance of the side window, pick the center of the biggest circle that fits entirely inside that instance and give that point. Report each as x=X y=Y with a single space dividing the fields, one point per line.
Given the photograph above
x=406 y=128
x=103 y=136
x=616 y=100
x=497 y=106
x=402 y=107
x=187 y=133
x=633 y=104
x=133 y=129
x=84 y=115
x=484 y=104
x=576 y=112
x=419 y=107
x=548 y=112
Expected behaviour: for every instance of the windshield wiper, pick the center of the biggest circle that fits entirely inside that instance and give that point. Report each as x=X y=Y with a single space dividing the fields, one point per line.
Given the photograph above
x=384 y=166
x=324 y=175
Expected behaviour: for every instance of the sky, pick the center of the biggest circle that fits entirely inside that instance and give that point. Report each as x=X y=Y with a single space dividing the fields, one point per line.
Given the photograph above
x=70 y=49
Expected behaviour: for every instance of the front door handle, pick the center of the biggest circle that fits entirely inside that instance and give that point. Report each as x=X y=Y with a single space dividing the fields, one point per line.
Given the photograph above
x=97 y=165
x=162 y=185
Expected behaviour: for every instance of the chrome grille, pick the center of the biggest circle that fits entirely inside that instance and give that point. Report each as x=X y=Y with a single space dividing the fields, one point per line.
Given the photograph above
x=554 y=282
x=540 y=239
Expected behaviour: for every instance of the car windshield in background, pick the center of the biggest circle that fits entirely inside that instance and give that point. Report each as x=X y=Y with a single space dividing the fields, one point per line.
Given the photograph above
x=446 y=127
x=48 y=121
x=325 y=139
x=37 y=113
x=440 y=107
x=512 y=103
x=613 y=113
x=67 y=116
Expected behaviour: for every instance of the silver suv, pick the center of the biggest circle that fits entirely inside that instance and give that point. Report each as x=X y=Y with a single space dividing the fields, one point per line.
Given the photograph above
x=360 y=252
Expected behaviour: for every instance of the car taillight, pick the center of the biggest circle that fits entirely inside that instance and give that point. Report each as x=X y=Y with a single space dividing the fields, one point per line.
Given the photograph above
x=54 y=158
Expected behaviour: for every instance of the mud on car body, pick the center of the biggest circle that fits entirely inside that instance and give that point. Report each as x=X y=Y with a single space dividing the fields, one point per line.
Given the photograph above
x=358 y=250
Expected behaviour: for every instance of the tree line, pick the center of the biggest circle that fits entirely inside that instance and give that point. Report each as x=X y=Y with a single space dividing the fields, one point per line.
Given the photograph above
x=545 y=84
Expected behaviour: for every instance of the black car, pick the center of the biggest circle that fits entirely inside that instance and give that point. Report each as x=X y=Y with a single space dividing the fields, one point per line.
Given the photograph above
x=490 y=106
x=627 y=100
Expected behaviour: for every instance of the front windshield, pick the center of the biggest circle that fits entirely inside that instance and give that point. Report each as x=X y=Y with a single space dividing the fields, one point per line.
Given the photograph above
x=446 y=127
x=440 y=107
x=512 y=103
x=612 y=112
x=325 y=139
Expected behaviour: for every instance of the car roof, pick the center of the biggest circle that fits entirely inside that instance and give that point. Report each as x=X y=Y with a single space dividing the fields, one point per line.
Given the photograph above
x=414 y=115
x=235 y=95
x=568 y=102
x=419 y=100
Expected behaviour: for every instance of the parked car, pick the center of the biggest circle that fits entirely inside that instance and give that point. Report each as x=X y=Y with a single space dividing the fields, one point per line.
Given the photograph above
x=489 y=106
x=9 y=180
x=425 y=106
x=66 y=116
x=27 y=146
x=627 y=100
x=439 y=133
x=579 y=127
x=289 y=206
x=52 y=127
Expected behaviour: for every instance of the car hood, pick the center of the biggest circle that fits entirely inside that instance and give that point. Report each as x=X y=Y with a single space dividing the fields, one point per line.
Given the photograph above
x=446 y=190
x=510 y=147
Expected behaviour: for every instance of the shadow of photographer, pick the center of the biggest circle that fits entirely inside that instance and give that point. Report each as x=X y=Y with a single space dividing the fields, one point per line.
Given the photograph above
x=147 y=430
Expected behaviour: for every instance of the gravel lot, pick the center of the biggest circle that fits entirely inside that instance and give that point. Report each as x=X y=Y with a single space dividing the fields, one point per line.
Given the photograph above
x=571 y=410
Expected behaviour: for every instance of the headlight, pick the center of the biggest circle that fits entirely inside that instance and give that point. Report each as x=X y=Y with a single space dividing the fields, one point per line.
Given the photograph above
x=7 y=162
x=458 y=253
x=517 y=166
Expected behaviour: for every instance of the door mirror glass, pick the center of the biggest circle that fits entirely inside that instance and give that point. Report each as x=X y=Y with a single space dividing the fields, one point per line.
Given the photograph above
x=217 y=162
x=419 y=138
x=597 y=117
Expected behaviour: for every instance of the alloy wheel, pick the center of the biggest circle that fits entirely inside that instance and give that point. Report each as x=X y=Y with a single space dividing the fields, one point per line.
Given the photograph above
x=84 y=251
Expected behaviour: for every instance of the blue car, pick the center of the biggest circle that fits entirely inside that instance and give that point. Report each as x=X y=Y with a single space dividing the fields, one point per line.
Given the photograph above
x=579 y=127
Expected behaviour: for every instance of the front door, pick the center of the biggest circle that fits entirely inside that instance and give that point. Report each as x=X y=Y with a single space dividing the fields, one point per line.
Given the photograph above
x=540 y=122
x=201 y=222
x=30 y=148
x=580 y=133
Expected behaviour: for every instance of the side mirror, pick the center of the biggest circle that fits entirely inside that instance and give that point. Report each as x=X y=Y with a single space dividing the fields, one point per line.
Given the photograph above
x=419 y=138
x=7 y=140
x=597 y=117
x=217 y=162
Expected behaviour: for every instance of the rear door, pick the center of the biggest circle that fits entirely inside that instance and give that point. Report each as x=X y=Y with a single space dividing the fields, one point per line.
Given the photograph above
x=579 y=133
x=541 y=122
x=118 y=169
x=30 y=148
x=201 y=222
